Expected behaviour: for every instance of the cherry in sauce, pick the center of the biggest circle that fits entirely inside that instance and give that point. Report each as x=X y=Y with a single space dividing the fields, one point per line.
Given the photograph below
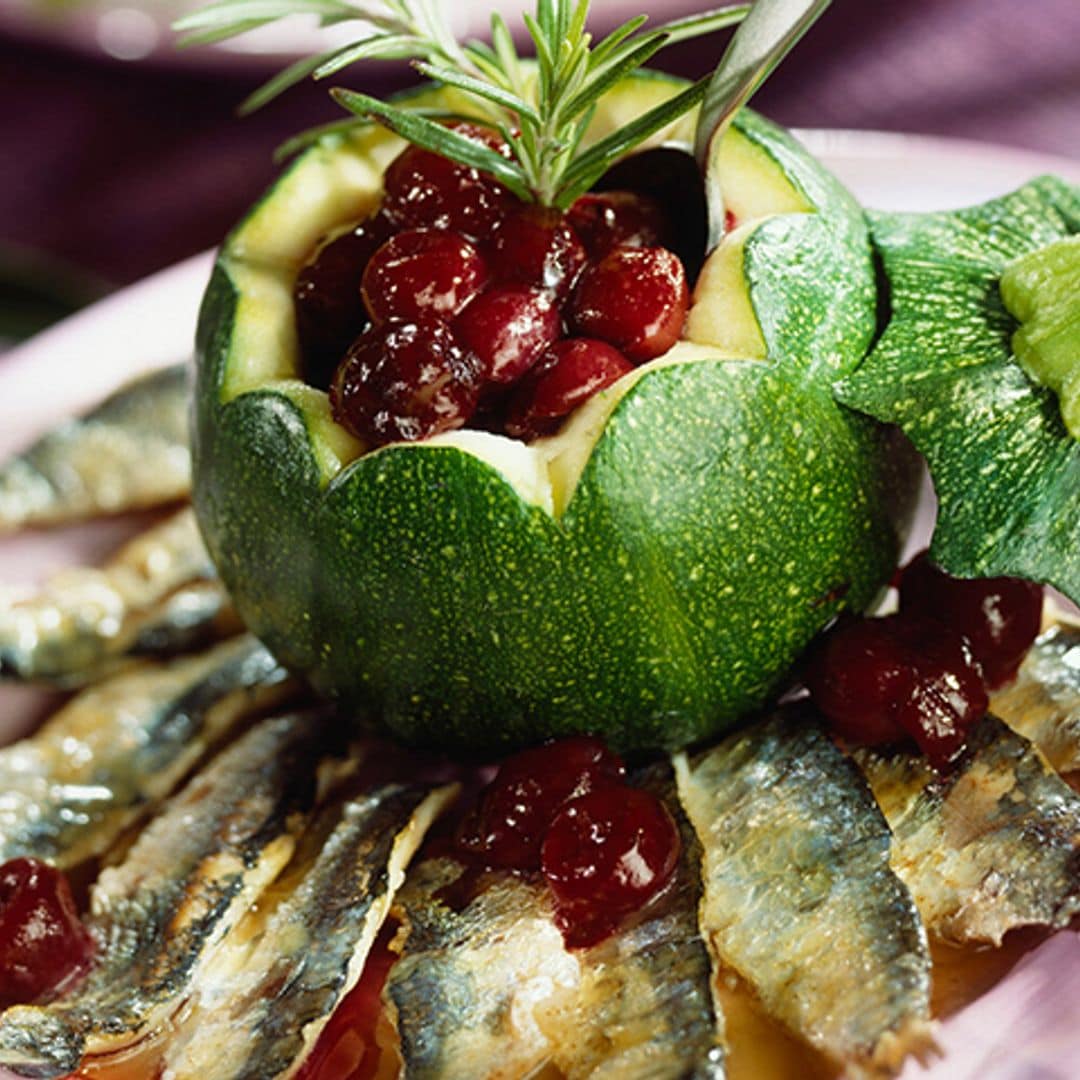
x=486 y=310
x=605 y=855
x=536 y=245
x=405 y=381
x=508 y=328
x=43 y=945
x=329 y=314
x=856 y=675
x=420 y=272
x=567 y=375
x=999 y=616
x=883 y=680
x=947 y=697
x=508 y=825
x=609 y=219
x=424 y=189
x=633 y=298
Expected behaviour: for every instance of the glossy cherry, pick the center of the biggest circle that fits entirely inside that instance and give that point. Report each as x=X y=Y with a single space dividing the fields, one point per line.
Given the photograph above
x=569 y=373
x=426 y=190
x=879 y=680
x=535 y=245
x=329 y=312
x=606 y=854
x=609 y=219
x=43 y=945
x=508 y=328
x=856 y=675
x=422 y=272
x=1000 y=617
x=947 y=697
x=405 y=381
x=508 y=825
x=633 y=298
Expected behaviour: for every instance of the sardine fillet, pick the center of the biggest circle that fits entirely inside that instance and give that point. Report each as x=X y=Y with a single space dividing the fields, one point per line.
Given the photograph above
x=111 y=755
x=158 y=594
x=1043 y=702
x=487 y=988
x=990 y=846
x=799 y=897
x=261 y=1004
x=158 y=915
x=130 y=451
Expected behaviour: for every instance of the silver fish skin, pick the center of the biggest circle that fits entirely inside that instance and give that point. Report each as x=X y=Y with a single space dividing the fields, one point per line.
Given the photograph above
x=477 y=991
x=490 y=991
x=158 y=595
x=993 y=845
x=159 y=915
x=129 y=452
x=260 y=1005
x=116 y=750
x=1043 y=702
x=646 y=1008
x=799 y=898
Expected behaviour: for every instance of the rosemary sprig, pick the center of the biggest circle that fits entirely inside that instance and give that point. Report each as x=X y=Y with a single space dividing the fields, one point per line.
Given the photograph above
x=542 y=109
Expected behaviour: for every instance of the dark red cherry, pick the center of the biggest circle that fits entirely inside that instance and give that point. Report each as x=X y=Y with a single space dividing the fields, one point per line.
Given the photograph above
x=535 y=245
x=1000 y=617
x=856 y=675
x=508 y=328
x=509 y=823
x=569 y=373
x=606 y=854
x=405 y=381
x=422 y=272
x=633 y=298
x=43 y=945
x=947 y=697
x=608 y=219
x=877 y=680
x=329 y=312
x=427 y=190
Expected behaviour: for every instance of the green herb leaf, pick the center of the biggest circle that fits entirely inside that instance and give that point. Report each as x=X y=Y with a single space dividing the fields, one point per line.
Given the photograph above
x=706 y=22
x=610 y=75
x=282 y=81
x=435 y=137
x=542 y=110
x=479 y=88
x=1006 y=471
x=594 y=162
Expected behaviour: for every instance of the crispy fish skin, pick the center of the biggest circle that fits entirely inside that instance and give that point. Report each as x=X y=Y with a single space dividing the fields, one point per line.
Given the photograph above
x=799 y=898
x=260 y=1005
x=116 y=750
x=646 y=1007
x=129 y=452
x=192 y=873
x=476 y=991
x=158 y=595
x=1043 y=702
x=993 y=845
x=491 y=991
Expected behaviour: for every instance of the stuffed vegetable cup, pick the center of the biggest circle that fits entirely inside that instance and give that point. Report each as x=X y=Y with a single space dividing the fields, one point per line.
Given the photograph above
x=650 y=571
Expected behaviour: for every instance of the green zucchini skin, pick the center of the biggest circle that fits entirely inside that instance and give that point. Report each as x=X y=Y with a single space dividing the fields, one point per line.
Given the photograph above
x=728 y=511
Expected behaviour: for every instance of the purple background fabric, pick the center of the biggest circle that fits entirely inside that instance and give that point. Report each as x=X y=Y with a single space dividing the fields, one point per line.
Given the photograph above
x=120 y=169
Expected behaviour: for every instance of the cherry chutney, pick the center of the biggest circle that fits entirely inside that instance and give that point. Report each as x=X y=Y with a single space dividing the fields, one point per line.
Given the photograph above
x=925 y=672
x=455 y=303
x=564 y=808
